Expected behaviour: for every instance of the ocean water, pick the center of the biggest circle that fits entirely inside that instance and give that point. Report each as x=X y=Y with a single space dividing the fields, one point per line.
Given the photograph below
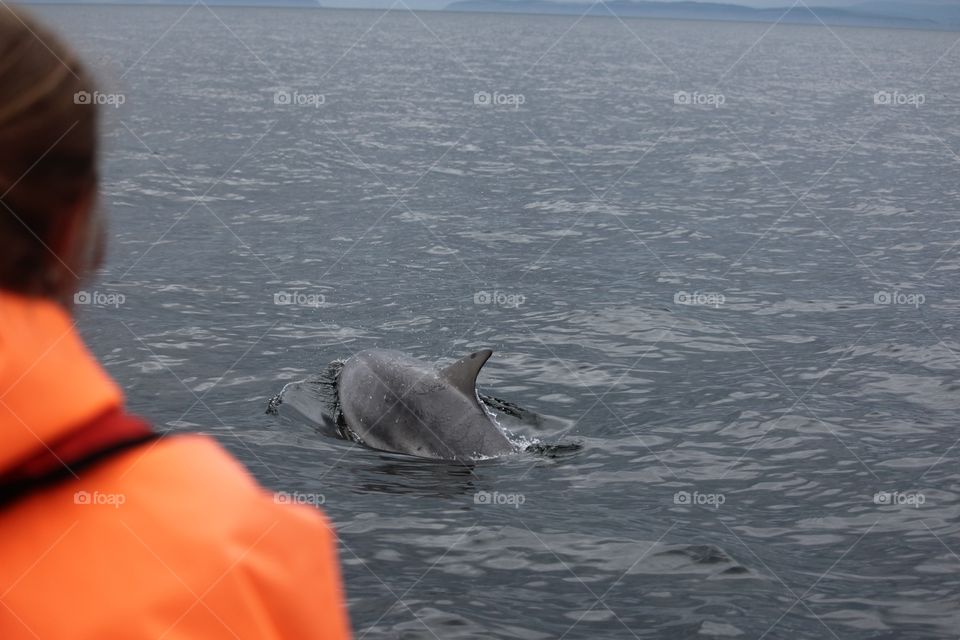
x=720 y=258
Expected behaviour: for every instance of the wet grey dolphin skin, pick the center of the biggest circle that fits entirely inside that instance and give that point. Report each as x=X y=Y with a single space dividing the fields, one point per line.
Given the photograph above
x=394 y=402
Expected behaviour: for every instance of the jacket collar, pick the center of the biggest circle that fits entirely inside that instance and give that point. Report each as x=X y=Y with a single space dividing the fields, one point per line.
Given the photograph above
x=49 y=383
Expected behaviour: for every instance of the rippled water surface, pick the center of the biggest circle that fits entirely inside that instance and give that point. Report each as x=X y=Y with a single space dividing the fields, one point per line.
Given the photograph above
x=775 y=460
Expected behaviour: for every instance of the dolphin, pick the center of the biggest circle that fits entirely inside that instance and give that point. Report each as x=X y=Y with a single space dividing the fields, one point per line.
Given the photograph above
x=394 y=402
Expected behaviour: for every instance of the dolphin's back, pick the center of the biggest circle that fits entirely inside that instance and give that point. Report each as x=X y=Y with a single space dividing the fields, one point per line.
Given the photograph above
x=394 y=402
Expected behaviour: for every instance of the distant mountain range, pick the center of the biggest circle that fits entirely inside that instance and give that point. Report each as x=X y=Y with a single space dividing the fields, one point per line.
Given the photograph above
x=882 y=13
x=309 y=4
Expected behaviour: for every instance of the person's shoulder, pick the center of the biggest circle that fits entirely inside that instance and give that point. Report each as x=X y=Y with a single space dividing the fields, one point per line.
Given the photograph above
x=193 y=477
x=172 y=521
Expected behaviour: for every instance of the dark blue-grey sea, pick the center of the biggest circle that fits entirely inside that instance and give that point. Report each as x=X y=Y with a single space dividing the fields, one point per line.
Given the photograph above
x=720 y=260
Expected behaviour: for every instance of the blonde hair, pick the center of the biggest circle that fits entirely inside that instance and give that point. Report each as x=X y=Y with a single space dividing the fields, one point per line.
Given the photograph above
x=48 y=159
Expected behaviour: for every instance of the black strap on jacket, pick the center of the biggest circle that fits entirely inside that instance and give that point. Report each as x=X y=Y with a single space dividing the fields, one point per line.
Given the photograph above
x=102 y=439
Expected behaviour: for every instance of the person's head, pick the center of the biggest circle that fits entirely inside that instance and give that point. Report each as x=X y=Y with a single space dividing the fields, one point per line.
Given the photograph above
x=49 y=234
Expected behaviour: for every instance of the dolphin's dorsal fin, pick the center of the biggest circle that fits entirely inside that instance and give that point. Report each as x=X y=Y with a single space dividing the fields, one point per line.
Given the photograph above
x=463 y=373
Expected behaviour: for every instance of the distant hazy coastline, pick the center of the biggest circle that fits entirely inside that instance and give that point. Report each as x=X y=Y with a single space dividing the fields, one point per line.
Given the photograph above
x=877 y=13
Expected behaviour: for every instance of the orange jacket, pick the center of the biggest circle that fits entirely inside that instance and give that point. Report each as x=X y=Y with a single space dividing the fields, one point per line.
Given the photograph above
x=171 y=539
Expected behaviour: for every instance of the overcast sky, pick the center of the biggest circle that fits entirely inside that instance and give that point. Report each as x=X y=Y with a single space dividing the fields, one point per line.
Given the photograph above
x=439 y=4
